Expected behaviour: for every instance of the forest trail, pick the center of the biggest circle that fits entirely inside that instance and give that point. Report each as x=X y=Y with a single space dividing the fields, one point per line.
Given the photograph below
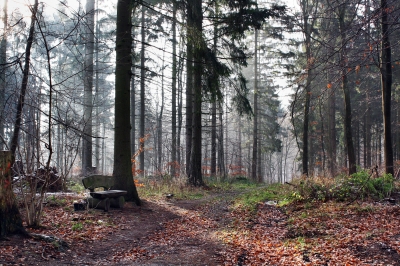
x=161 y=232
x=169 y=232
x=211 y=231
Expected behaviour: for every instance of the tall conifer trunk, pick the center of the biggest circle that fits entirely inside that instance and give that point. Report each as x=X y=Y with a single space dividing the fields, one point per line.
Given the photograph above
x=386 y=84
x=87 y=146
x=189 y=86
x=307 y=33
x=214 y=109
x=254 y=160
x=195 y=177
x=122 y=146
x=3 y=60
x=346 y=92
x=142 y=94
x=174 y=95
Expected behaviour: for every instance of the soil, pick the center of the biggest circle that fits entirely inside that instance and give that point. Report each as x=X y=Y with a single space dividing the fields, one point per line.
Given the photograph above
x=190 y=232
x=139 y=237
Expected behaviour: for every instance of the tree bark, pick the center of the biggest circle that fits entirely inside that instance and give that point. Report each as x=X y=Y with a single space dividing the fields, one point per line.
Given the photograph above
x=307 y=32
x=213 y=139
x=214 y=109
x=346 y=91
x=87 y=146
x=10 y=218
x=142 y=95
x=122 y=152
x=133 y=114
x=255 y=122
x=386 y=84
x=24 y=83
x=160 y=123
x=195 y=177
x=332 y=133
x=221 y=154
x=3 y=60
x=180 y=115
x=174 y=89
x=97 y=93
x=189 y=87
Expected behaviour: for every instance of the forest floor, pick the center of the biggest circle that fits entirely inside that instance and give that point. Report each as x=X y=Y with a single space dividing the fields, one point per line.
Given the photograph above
x=212 y=230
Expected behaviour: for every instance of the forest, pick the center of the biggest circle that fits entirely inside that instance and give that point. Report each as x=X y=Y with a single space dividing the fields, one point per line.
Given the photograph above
x=280 y=93
x=196 y=92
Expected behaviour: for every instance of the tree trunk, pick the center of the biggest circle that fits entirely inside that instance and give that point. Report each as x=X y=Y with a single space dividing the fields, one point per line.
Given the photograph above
x=174 y=89
x=332 y=133
x=221 y=153
x=10 y=218
x=3 y=84
x=133 y=99
x=189 y=88
x=98 y=126
x=24 y=83
x=386 y=84
x=142 y=95
x=160 y=123
x=240 y=161
x=87 y=146
x=307 y=103
x=309 y=19
x=347 y=126
x=346 y=91
x=367 y=134
x=180 y=116
x=195 y=178
x=323 y=156
x=213 y=139
x=255 y=122
x=133 y=115
x=259 y=164
x=122 y=152
x=214 y=111
x=368 y=112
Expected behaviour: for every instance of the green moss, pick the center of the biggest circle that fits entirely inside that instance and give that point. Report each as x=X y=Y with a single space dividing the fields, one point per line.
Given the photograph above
x=276 y=193
x=77 y=227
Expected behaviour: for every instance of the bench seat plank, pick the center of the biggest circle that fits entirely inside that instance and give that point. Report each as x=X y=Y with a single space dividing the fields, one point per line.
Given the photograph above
x=108 y=194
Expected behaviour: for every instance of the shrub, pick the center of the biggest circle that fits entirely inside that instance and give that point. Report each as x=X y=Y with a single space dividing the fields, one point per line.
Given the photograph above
x=342 y=188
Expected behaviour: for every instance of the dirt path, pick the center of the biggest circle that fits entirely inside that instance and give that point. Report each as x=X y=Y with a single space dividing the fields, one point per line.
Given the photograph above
x=208 y=232
x=163 y=232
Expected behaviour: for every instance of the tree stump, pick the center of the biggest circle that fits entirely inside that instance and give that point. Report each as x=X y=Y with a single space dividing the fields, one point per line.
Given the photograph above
x=10 y=218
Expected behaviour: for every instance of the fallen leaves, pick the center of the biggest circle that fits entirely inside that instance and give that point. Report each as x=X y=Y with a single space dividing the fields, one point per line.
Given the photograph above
x=215 y=233
x=327 y=233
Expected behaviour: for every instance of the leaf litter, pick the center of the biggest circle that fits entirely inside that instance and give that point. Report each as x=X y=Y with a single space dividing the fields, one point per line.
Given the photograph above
x=211 y=231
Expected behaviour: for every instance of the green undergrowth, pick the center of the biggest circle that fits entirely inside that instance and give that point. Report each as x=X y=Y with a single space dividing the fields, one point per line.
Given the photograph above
x=278 y=194
x=166 y=187
x=233 y=183
x=75 y=186
x=359 y=186
x=55 y=201
x=161 y=187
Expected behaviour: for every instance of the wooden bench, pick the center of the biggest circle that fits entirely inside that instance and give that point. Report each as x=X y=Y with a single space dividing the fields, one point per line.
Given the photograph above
x=103 y=199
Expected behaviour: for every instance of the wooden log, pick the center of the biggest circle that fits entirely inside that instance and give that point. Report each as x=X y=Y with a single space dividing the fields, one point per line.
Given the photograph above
x=117 y=202
x=103 y=204
x=10 y=218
